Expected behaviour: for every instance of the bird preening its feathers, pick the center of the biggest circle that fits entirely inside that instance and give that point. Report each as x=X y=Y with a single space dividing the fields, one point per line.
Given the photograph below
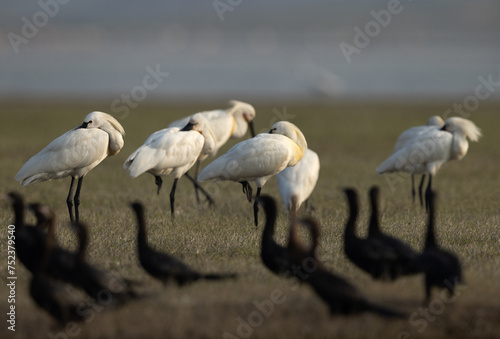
x=258 y=159
x=172 y=151
x=74 y=154
x=283 y=152
x=428 y=150
x=225 y=124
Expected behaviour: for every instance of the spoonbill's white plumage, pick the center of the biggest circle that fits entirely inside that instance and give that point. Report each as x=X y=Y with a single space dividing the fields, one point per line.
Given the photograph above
x=434 y=122
x=299 y=180
x=259 y=158
x=172 y=151
x=427 y=152
x=74 y=154
x=225 y=124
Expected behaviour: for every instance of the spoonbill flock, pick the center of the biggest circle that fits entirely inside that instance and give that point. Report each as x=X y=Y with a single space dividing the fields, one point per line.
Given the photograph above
x=282 y=152
x=225 y=124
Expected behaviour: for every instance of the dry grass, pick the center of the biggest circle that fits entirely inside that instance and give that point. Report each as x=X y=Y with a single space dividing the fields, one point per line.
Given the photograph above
x=351 y=140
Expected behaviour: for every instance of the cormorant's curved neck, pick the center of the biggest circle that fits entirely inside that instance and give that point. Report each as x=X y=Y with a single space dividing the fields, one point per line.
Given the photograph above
x=374 y=226
x=141 y=226
x=430 y=239
x=350 y=227
x=18 y=207
x=270 y=211
x=82 y=241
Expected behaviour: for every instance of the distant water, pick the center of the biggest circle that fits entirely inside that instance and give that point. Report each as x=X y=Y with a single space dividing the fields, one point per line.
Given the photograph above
x=291 y=50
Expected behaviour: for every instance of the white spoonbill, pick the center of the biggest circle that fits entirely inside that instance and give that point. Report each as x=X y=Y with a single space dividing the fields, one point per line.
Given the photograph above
x=74 y=154
x=172 y=151
x=258 y=159
x=229 y=123
x=434 y=122
x=299 y=180
x=427 y=152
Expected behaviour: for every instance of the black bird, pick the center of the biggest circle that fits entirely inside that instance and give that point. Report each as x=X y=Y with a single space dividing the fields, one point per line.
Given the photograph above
x=42 y=222
x=442 y=268
x=341 y=296
x=52 y=295
x=370 y=254
x=405 y=257
x=104 y=287
x=61 y=263
x=72 y=268
x=162 y=266
x=274 y=256
x=29 y=239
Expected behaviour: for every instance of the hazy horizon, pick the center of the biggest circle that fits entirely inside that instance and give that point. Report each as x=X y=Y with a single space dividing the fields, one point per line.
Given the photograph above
x=283 y=49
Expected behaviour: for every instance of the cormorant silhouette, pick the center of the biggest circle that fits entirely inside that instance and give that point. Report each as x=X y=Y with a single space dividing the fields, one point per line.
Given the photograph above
x=341 y=296
x=442 y=268
x=274 y=256
x=29 y=239
x=52 y=295
x=163 y=266
x=102 y=286
x=370 y=254
x=405 y=257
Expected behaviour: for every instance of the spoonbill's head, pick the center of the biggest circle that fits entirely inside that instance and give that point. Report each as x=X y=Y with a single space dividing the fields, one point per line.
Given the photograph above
x=102 y=120
x=200 y=124
x=291 y=131
x=242 y=110
x=435 y=120
x=462 y=126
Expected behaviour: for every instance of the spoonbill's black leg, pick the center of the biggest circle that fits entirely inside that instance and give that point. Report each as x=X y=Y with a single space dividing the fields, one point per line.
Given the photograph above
x=247 y=189
x=69 y=200
x=428 y=193
x=256 y=207
x=198 y=187
x=77 y=199
x=158 y=182
x=413 y=187
x=172 y=196
x=420 y=187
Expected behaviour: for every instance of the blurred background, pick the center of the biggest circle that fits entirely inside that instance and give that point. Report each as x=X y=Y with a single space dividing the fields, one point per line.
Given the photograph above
x=250 y=50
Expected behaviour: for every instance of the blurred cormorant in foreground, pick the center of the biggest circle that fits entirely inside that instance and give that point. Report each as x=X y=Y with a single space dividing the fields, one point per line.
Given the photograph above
x=162 y=266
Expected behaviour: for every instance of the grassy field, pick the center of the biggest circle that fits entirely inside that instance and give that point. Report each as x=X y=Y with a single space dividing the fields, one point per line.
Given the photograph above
x=351 y=140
